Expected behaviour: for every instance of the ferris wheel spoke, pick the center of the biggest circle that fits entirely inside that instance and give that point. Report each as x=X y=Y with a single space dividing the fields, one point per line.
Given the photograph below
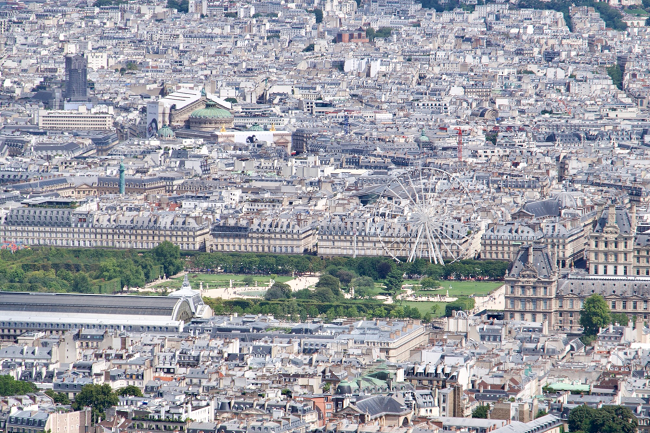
x=446 y=244
x=415 y=245
x=405 y=190
x=415 y=191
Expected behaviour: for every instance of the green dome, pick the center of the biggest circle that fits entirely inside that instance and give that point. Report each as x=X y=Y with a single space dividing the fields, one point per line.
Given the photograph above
x=166 y=132
x=424 y=138
x=256 y=127
x=211 y=112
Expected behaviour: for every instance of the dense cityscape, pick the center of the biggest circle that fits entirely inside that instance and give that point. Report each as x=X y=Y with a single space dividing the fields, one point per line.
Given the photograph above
x=324 y=216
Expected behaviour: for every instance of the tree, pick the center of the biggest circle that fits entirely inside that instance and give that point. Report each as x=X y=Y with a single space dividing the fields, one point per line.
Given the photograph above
x=58 y=397
x=616 y=74
x=620 y=318
x=278 y=291
x=481 y=412
x=98 y=398
x=429 y=283
x=130 y=390
x=460 y=304
x=249 y=280
x=231 y=100
x=394 y=280
x=331 y=283
x=168 y=256
x=180 y=6
x=594 y=315
x=383 y=269
x=9 y=386
x=323 y=295
x=607 y=419
x=345 y=276
x=318 y=14
x=81 y=283
x=541 y=413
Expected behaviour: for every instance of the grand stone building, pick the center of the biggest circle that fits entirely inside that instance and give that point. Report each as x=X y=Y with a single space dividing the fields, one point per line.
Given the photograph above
x=535 y=291
x=268 y=235
x=531 y=286
x=612 y=243
x=72 y=227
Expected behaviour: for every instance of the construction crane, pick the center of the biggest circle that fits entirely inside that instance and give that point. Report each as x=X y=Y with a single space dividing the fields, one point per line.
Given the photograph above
x=460 y=144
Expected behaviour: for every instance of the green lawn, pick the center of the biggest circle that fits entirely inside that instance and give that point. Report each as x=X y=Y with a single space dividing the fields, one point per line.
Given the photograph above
x=425 y=307
x=219 y=280
x=463 y=288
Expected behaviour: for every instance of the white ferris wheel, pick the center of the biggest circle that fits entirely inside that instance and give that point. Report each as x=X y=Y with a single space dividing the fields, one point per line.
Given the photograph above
x=425 y=213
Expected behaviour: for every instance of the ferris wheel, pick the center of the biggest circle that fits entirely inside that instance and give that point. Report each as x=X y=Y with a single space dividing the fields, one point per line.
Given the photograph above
x=425 y=213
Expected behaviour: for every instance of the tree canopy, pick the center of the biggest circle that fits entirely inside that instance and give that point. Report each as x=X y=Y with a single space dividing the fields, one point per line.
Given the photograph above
x=130 y=390
x=169 y=256
x=98 y=398
x=481 y=412
x=9 y=386
x=594 y=315
x=607 y=419
x=58 y=397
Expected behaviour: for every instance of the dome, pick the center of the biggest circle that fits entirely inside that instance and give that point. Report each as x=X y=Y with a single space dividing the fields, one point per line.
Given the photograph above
x=256 y=127
x=166 y=132
x=424 y=138
x=211 y=111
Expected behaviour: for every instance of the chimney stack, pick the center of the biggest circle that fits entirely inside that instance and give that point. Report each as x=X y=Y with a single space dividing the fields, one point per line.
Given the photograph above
x=611 y=215
x=633 y=218
x=530 y=254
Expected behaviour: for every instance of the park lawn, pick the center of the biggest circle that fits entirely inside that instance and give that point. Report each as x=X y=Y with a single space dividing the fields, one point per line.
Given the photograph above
x=219 y=280
x=425 y=307
x=464 y=288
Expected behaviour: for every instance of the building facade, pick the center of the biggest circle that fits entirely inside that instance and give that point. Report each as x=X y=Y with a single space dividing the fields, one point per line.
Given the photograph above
x=76 y=82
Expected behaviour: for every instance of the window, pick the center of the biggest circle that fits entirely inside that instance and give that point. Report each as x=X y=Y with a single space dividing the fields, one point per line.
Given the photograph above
x=634 y=305
x=570 y=303
x=613 y=305
x=559 y=303
x=534 y=317
x=512 y=303
x=545 y=304
x=512 y=290
x=512 y=316
x=533 y=304
x=595 y=244
x=545 y=291
x=534 y=291
x=624 y=305
x=645 y=305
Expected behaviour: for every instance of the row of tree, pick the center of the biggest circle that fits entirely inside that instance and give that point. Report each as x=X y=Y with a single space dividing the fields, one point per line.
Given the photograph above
x=85 y=270
x=376 y=268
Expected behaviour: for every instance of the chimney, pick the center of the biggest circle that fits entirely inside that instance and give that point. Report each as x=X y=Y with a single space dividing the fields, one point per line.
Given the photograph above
x=633 y=218
x=530 y=254
x=611 y=214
